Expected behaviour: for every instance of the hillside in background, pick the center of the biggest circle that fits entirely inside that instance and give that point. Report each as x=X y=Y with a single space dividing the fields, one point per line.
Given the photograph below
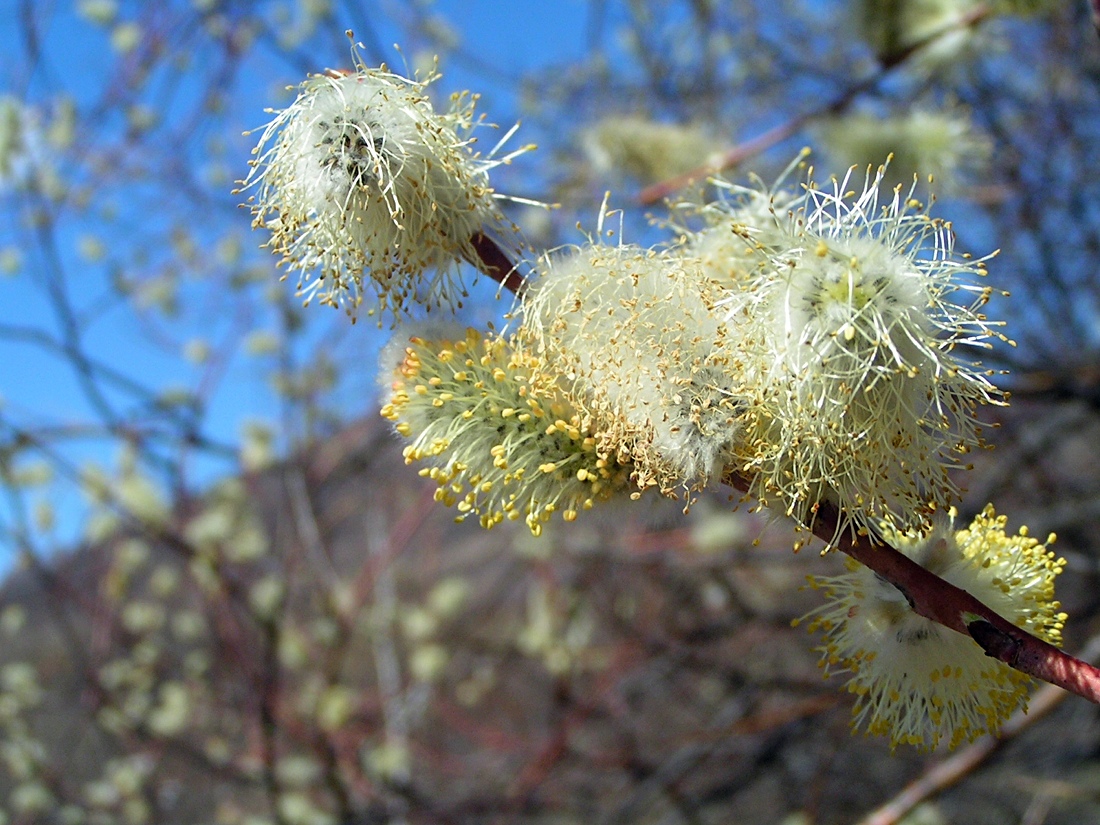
x=321 y=643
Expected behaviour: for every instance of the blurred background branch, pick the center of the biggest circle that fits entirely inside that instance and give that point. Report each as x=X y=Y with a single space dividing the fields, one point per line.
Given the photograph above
x=226 y=598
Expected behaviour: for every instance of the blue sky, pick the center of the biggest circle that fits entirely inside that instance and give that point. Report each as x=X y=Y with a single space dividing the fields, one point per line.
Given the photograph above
x=168 y=191
x=126 y=224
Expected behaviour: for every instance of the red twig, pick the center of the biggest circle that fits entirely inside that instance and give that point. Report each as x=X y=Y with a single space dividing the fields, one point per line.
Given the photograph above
x=935 y=599
x=749 y=148
x=932 y=597
x=929 y=595
x=738 y=154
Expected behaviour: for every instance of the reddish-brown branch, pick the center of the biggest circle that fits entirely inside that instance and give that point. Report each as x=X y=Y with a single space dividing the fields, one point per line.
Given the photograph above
x=932 y=597
x=929 y=595
x=732 y=157
x=494 y=262
x=943 y=775
x=935 y=599
x=749 y=148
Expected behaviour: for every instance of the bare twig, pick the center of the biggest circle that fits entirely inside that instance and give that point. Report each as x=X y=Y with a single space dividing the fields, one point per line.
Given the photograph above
x=305 y=522
x=400 y=706
x=756 y=145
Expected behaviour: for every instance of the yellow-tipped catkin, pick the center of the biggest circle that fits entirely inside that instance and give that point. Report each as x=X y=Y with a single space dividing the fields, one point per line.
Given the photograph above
x=851 y=329
x=649 y=357
x=919 y=682
x=499 y=440
x=361 y=181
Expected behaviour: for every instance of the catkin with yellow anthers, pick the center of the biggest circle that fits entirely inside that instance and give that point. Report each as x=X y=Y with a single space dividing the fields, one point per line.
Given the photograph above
x=917 y=682
x=651 y=363
x=503 y=442
x=371 y=194
x=851 y=336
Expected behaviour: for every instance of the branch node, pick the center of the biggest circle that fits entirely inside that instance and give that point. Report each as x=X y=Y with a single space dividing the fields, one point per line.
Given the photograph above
x=996 y=643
